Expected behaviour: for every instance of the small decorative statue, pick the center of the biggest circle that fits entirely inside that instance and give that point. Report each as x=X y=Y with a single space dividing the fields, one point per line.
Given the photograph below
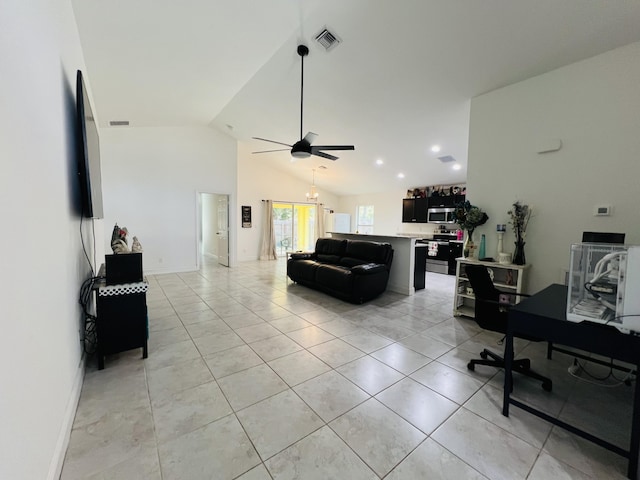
x=119 y=240
x=135 y=246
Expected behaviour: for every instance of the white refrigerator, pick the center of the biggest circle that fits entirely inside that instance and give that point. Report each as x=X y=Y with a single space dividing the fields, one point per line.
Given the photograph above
x=338 y=222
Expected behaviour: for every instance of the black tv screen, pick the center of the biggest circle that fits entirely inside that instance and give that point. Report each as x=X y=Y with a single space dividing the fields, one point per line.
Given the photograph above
x=88 y=154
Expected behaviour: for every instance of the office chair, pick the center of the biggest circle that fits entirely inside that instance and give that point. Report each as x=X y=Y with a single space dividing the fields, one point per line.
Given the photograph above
x=491 y=313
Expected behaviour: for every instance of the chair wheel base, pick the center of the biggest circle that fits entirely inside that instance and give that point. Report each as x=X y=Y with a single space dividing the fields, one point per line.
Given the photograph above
x=471 y=366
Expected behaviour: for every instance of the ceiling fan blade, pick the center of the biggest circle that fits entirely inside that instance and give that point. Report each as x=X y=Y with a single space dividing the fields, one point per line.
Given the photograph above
x=323 y=155
x=332 y=147
x=272 y=141
x=310 y=137
x=269 y=151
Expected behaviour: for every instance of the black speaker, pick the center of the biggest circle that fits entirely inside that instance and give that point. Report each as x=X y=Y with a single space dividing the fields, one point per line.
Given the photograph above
x=123 y=268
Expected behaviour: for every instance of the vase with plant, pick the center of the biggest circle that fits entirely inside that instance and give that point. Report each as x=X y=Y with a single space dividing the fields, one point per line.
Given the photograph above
x=469 y=217
x=520 y=215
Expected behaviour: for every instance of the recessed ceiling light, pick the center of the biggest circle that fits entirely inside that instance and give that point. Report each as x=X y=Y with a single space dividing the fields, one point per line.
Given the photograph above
x=435 y=148
x=457 y=166
x=379 y=161
x=401 y=175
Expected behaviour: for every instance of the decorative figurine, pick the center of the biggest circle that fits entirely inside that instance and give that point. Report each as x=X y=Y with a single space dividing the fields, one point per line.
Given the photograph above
x=119 y=240
x=135 y=246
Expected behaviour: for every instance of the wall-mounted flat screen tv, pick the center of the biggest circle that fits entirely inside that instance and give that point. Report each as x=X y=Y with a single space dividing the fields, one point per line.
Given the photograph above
x=88 y=154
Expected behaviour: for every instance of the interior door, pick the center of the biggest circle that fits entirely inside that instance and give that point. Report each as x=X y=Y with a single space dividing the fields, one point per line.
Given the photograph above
x=223 y=230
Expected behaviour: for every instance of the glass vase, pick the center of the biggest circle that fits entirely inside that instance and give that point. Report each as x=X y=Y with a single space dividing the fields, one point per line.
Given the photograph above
x=518 y=254
x=468 y=246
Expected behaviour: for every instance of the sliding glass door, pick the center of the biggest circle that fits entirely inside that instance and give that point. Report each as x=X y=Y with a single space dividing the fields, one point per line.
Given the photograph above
x=294 y=225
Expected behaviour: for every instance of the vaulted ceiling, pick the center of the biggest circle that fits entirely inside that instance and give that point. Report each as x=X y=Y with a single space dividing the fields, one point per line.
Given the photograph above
x=400 y=80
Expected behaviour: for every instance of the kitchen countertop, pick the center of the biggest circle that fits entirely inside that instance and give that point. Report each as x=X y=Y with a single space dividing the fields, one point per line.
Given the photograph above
x=417 y=236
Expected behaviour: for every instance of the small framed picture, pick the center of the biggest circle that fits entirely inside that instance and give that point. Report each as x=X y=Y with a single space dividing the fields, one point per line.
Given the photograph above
x=246 y=216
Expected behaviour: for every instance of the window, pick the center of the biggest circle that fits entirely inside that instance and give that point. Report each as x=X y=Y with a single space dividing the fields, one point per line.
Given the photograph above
x=364 y=219
x=294 y=226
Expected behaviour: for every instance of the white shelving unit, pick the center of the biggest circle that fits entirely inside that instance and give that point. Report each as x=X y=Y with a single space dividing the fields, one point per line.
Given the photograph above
x=505 y=277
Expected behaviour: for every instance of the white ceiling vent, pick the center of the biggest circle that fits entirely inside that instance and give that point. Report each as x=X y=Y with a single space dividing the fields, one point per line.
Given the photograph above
x=119 y=123
x=327 y=39
x=447 y=159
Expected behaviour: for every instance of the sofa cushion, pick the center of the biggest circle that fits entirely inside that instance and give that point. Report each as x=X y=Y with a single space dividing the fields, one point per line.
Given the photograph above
x=302 y=270
x=351 y=262
x=372 y=252
x=368 y=268
x=302 y=256
x=324 y=258
x=336 y=277
x=331 y=246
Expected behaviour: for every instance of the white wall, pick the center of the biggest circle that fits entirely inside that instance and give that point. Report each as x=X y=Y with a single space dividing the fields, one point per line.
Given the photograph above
x=151 y=179
x=42 y=263
x=594 y=107
x=258 y=181
x=387 y=212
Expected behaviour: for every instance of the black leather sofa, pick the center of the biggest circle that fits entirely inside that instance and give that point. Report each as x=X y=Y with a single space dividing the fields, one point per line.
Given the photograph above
x=352 y=270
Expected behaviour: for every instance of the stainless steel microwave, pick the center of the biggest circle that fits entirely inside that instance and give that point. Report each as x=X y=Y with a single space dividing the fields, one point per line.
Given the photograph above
x=440 y=215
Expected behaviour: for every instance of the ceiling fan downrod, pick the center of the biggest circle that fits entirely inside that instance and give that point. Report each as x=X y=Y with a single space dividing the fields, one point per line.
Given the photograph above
x=303 y=51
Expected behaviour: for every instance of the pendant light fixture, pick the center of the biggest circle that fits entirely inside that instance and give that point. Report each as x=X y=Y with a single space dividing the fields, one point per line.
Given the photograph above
x=312 y=195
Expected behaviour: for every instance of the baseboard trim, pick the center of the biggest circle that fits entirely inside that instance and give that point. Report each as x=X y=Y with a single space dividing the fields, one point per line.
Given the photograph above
x=57 y=460
x=402 y=289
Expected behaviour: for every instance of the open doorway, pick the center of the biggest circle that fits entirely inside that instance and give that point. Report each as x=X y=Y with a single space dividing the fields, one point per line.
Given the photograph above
x=213 y=245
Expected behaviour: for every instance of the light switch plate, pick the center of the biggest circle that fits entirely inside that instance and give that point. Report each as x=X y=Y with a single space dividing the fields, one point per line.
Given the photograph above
x=602 y=210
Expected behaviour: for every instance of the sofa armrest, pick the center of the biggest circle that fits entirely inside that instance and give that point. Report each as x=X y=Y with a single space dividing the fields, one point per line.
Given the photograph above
x=302 y=256
x=368 y=268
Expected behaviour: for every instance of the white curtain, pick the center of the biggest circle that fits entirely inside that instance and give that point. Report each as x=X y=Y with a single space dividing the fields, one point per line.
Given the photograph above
x=320 y=228
x=268 y=244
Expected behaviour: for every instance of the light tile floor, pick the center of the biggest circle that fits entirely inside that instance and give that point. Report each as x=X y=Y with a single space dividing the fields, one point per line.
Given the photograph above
x=253 y=377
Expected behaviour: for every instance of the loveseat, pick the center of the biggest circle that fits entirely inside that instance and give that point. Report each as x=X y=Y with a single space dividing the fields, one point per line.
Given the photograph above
x=352 y=270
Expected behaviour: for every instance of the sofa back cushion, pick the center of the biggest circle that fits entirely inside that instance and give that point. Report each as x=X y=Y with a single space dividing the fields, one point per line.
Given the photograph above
x=352 y=262
x=324 y=258
x=331 y=246
x=369 y=252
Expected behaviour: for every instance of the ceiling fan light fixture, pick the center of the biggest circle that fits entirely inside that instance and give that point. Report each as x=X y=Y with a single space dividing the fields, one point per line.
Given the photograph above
x=303 y=148
x=300 y=154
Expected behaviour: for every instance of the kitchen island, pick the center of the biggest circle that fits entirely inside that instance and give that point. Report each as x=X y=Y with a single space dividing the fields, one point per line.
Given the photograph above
x=401 y=275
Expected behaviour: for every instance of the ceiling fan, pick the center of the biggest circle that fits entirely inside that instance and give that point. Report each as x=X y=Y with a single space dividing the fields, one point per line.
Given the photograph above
x=303 y=148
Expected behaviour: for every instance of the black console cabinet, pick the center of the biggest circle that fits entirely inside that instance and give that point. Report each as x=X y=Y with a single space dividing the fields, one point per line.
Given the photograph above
x=122 y=319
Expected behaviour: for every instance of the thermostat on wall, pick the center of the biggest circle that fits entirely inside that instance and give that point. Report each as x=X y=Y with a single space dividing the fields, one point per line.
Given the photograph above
x=602 y=210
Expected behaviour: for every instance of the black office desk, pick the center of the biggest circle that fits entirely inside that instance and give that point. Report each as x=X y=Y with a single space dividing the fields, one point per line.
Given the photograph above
x=543 y=315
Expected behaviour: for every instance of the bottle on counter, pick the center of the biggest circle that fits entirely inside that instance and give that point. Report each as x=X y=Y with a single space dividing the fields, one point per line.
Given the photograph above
x=482 y=251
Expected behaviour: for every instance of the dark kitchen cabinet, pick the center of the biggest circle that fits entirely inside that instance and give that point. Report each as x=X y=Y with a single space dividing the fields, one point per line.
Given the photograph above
x=414 y=210
x=445 y=201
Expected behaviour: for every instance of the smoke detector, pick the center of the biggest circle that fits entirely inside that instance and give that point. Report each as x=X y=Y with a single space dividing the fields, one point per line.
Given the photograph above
x=327 y=39
x=447 y=159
